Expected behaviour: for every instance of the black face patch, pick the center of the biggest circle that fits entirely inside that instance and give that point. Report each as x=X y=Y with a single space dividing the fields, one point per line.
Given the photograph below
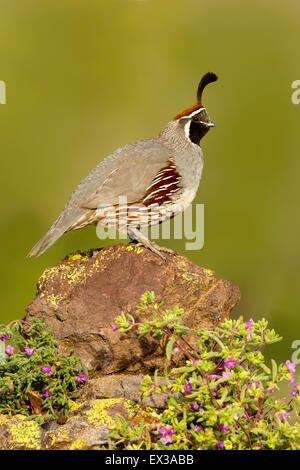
x=198 y=128
x=197 y=131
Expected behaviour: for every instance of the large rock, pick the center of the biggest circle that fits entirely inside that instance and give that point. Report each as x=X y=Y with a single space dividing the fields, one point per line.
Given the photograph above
x=82 y=295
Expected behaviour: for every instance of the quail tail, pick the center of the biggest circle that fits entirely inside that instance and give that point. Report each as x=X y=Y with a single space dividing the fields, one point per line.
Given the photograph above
x=44 y=243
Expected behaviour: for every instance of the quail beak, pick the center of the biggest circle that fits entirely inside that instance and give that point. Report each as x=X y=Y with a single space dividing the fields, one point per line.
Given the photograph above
x=208 y=124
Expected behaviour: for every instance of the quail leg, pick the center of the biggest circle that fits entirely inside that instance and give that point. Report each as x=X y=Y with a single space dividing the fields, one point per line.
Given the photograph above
x=136 y=235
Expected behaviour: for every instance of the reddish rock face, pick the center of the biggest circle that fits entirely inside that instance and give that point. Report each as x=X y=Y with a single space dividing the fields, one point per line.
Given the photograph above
x=82 y=295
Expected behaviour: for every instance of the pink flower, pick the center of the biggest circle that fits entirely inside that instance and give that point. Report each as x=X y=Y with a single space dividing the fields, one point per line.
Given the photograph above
x=283 y=416
x=187 y=388
x=293 y=378
x=197 y=428
x=46 y=393
x=29 y=351
x=294 y=392
x=256 y=383
x=220 y=445
x=291 y=366
x=82 y=378
x=224 y=428
x=166 y=440
x=47 y=370
x=165 y=431
x=227 y=374
x=248 y=325
x=230 y=363
x=10 y=350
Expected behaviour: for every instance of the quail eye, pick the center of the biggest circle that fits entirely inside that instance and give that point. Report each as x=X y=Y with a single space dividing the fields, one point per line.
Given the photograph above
x=195 y=118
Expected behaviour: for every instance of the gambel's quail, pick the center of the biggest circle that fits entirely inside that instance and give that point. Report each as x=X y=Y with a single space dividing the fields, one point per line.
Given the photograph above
x=140 y=184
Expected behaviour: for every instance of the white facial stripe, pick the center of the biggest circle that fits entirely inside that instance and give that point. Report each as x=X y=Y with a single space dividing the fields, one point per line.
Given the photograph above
x=188 y=116
x=187 y=129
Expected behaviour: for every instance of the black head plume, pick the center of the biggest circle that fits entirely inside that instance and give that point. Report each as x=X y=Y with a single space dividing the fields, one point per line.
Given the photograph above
x=209 y=77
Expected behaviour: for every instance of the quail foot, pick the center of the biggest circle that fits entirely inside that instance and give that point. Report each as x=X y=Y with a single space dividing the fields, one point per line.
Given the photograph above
x=140 y=184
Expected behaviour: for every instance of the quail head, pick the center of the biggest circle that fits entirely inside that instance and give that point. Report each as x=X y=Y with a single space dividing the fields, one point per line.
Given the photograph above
x=140 y=184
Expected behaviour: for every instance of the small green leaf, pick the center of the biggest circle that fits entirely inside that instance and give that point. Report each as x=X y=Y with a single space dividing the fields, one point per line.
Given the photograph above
x=274 y=370
x=169 y=348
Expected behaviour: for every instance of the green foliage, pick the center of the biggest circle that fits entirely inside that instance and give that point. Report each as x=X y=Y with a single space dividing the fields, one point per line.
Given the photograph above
x=36 y=380
x=224 y=397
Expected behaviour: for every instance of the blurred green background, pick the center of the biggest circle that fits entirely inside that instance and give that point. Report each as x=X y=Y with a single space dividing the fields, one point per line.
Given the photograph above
x=84 y=78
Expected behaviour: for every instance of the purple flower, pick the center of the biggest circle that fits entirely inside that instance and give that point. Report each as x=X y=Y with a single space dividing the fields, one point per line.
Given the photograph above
x=4 y=338
x=230 y=363
x=10 y=350
x=248 y=325
x=82 y=378
x=213 y=376
x=272 y=389
x=165 y=432
x=224 y=428
x=187 y=388
x=256 y=383
x=196 y=362
x=220 y=445
x=46 y=393
x=29 y=351
x=283 y=416
x=114 y=327
x=197 y=428
x=47 y=370
x=291 y=366
x=194 y=406
x=10 y=387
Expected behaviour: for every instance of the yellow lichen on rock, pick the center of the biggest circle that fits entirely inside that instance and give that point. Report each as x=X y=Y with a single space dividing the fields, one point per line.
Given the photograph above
x=147 y=414
x=132 y=406
x=25 y=434
x=79 y=444
x=97 y=414
x=4 y=419
x=73 y=406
